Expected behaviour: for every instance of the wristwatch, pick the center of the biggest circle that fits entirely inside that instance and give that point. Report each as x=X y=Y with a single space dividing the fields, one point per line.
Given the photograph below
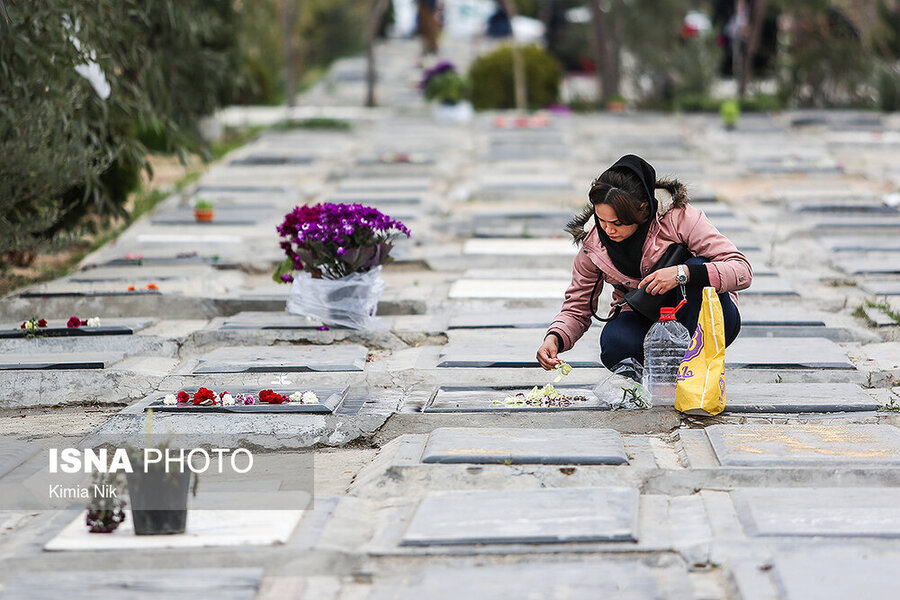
x=681 y=277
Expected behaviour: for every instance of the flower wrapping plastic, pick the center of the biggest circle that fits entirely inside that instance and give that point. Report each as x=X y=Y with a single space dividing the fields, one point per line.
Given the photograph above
x=350 y=301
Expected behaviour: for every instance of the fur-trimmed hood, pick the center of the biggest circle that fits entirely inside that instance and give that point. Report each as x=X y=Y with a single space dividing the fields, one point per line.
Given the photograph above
x=668 y=193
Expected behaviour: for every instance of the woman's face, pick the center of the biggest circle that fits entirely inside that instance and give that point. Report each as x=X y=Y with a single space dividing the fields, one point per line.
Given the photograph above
x=611 y=225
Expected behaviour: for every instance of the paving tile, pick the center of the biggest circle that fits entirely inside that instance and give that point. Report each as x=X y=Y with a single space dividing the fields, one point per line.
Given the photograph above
x=786 y=353
x=805 y=445
x=820 y=511
x=524 y=446
x=881 y=288
x=265 y=359
x=769 y=286
x=525 y=517
x=779 y=316
x=121 y=584
x=797 y=398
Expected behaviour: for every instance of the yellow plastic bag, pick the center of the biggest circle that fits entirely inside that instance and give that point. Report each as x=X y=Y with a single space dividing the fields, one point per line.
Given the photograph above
x=700 y=385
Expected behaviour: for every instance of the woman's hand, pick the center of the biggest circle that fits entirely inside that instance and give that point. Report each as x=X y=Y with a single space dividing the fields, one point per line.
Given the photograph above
x=546 y=354
x=660 y=282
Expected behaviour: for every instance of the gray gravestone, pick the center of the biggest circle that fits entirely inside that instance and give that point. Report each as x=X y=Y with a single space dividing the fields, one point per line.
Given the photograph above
x=591 y=580
x=863 y=244
x=551 y=289
x=882 y=288
x=224 y=215
x=525 y=517
x=779 y=316
x=836 y=572
x=498 y=353
x=769 y=286
x=270 y=160
x=797 y=398
x=268 y=321
x=805 y=445
x=840 y=512
x=120 y=584
x=385 y=184
x=524 y=446
x=58 y=361
x=524 y=318
x=330 y=398
x=786 y=353
x=871 y=264
x=267 y=359
x=492 y=399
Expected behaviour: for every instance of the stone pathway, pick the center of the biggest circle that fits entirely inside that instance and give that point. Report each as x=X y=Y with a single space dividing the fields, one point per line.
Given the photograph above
x=420 y=483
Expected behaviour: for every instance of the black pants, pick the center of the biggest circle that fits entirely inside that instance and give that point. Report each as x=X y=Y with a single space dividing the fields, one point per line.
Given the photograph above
x=623 y=337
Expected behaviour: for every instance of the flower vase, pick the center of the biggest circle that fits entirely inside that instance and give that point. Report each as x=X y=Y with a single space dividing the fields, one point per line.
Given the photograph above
x=158 y=500
x=460 y=112
x=350 y=301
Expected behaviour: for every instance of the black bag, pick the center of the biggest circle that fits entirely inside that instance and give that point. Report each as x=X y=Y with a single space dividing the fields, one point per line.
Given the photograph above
x=642 y=302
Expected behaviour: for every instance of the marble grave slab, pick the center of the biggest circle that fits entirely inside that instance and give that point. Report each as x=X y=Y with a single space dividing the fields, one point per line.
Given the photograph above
x=454 y=399
x=786 y=353
x=816 y=445
x=492 y=445
x=819 y=511
x=58 y=361
x=278 y=359
x=797 y=398
x=541 y=516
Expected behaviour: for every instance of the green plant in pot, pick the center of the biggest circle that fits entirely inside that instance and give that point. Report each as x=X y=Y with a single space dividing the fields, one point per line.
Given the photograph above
x=443 y=84
x=729 y=112
x=203 y=211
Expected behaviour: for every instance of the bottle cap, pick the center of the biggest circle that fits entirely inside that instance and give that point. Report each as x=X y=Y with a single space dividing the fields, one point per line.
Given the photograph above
x=667 y=313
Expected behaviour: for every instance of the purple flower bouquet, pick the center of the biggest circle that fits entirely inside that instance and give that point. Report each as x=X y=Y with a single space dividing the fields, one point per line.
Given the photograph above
x=334 y=257
x=335 y=240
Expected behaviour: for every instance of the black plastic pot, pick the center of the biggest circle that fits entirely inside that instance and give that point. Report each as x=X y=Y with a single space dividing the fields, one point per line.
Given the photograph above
x=158 y=501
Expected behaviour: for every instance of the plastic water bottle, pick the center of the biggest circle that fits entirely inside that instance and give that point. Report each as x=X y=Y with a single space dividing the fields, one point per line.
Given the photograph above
x=664 y=347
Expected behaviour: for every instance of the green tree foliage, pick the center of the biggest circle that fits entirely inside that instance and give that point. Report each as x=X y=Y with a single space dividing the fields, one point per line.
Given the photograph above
x=825 y=62
x=72 y=156
x=491 y=78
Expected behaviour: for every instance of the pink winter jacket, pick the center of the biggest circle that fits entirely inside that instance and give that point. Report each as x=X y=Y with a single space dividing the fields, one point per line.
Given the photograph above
x=675 y=222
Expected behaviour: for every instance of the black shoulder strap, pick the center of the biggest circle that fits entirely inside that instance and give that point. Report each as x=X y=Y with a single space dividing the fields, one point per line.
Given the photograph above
x=616 y=310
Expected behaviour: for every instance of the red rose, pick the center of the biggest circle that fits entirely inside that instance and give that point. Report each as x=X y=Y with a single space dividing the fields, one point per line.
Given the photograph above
x=42 y=323
x=22 y=326
x=271 y=397
x=183 y=397
x=204 y=394
x=74 y=322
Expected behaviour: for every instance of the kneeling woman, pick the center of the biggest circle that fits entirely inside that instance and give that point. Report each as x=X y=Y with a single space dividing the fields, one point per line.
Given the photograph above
x=631 y=222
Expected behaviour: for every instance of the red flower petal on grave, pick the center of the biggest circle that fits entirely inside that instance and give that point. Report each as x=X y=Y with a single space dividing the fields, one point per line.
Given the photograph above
x=131 y=288
x=152 y=286
x=41 y=323
x=22 y=326
x=74 y=322
x=183 y=396
x=204 y=394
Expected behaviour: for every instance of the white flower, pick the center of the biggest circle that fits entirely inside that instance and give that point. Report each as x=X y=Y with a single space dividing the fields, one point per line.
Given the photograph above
x=169 y=400
x=93 y=322
x=296 y=398
x=227 y=400
x=310 y=398
x=29 y=325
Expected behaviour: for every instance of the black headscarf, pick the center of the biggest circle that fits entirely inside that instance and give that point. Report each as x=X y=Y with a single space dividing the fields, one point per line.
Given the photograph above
x=626 y=255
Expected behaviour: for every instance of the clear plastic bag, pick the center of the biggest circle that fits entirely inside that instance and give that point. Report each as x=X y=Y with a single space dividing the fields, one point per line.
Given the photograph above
x=622 y=388
x=349 y=301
